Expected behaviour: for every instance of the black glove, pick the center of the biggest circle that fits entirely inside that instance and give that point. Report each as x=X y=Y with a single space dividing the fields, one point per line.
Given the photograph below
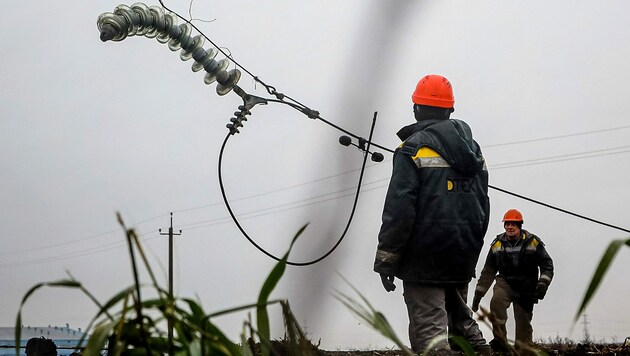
x=476 y=300
x=388 y=282
x=541 y=290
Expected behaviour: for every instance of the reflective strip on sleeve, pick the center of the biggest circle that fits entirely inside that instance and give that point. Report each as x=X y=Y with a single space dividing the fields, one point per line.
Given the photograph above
x=387 y=257
x=545 y=278
x=429 y=158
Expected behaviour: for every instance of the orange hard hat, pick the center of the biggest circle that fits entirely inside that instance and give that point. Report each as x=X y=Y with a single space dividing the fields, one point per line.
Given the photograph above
x=434 y=90
x=513 y=215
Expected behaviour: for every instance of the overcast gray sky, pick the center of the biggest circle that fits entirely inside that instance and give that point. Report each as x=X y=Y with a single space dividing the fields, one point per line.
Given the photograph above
x=90 y=128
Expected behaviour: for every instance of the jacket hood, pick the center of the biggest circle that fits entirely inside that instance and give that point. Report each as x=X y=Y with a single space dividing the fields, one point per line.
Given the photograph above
x=453 y=141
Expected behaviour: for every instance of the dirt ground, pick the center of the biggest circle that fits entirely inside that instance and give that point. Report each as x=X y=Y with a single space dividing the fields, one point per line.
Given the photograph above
x=281 y=348
x=569 y=350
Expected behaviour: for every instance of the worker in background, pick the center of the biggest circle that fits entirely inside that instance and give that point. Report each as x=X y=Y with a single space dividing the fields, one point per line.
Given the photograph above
x=525 y=270
x=434 y=220
x=40 y=346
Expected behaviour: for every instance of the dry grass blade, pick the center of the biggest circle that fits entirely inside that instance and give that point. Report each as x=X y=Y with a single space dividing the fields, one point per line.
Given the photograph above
x=371 y=316
x=262 y=317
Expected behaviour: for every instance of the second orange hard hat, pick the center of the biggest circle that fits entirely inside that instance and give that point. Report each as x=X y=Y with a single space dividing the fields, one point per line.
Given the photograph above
x=513 y=215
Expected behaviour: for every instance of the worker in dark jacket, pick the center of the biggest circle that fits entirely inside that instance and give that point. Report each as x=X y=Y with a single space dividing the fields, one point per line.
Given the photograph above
x=525 y=270
x=435 y=217
x=40 y=346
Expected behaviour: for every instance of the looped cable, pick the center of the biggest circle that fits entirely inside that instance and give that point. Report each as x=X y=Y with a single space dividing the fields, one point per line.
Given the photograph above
x=261 y=249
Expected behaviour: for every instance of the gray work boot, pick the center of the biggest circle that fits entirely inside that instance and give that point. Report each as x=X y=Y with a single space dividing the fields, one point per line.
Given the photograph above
x=498 y=345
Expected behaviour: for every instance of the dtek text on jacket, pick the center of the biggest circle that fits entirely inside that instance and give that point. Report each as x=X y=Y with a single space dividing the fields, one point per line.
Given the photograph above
x=437 y=208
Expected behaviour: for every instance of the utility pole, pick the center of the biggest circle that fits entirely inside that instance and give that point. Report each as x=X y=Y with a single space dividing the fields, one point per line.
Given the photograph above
x=587 y=336
x=170 y=283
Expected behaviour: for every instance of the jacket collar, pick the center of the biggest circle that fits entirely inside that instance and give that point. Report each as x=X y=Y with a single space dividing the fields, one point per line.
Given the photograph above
x=525 y=235
x=409 y=130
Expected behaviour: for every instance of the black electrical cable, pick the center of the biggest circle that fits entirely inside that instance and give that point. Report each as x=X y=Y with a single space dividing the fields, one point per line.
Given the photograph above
x=559 y=209
x=345 y=231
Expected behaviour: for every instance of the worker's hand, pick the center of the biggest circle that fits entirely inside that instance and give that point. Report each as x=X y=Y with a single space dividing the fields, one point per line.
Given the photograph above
x=388 y=282
x=541 y=290
x=476 y=301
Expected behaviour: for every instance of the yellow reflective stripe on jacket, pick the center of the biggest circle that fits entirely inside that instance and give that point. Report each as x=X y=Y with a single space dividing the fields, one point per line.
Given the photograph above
x=533 y=244
x=428 y=157
x=496 y=246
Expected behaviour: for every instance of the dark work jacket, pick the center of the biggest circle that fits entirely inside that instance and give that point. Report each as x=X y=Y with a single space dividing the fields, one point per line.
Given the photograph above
x=522 y=264
x=437 y=208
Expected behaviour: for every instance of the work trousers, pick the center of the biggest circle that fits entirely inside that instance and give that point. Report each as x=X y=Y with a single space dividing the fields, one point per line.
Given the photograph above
x=503 y=296
x=435 y=313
